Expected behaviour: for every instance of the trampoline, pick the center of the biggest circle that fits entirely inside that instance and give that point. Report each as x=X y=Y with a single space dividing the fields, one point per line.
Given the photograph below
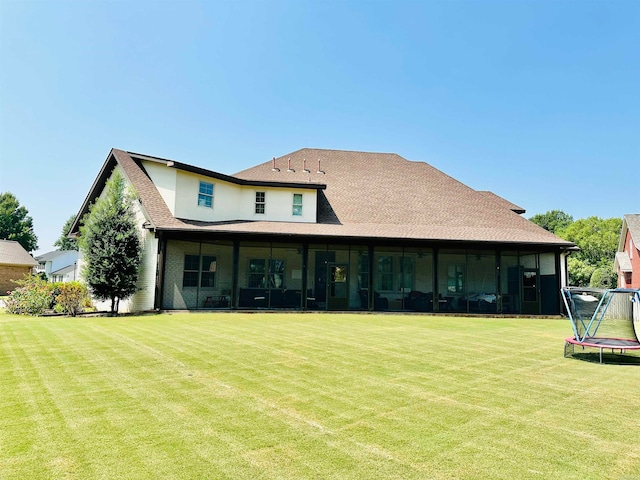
x=603 y=320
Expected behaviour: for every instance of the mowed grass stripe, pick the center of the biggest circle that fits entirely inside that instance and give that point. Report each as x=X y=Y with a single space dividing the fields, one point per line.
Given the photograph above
x=265 y=402
x=309 y=396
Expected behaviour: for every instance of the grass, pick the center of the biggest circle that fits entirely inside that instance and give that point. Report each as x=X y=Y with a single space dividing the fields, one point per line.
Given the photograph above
x=270 y=396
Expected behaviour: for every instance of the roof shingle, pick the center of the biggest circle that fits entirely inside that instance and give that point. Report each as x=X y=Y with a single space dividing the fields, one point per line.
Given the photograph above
x=367 y=195
x=12 y=253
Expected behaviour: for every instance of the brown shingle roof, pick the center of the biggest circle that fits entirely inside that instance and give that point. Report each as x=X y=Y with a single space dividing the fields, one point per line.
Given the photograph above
x=369 y=195
x=383 y=194
x=503 y=202
x=12 y=253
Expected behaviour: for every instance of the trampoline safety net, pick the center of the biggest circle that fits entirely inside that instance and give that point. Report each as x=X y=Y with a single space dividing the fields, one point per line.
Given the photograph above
x=603 y=314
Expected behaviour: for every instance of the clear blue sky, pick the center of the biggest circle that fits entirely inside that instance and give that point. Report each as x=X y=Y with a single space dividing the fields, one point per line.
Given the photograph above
x=537 y=101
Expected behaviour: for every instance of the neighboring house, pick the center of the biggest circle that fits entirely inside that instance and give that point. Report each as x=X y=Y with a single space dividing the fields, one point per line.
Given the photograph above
x=15 y=263
x=333 y=230
x=59 y=265
x=627 y=262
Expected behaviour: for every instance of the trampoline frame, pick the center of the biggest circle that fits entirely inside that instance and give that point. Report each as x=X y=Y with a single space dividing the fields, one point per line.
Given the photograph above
x=590 y=338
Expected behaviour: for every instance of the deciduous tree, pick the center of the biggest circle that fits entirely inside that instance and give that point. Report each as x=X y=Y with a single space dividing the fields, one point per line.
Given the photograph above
x=597 y=239
x=16 y=223
x=64 y=242
x=553 y=220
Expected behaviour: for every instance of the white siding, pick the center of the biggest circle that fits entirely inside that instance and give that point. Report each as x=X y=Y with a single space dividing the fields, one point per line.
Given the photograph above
x=237 y=202
x=144 y=298
x=164 y=178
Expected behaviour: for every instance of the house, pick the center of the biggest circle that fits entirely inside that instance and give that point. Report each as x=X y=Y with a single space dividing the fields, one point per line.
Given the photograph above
x=333 y=230
x=59 y=265
x=15 y=263
x=627 y=261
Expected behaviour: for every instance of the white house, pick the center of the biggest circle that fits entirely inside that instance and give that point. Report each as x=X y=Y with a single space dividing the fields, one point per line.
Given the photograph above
x=59 y=265
x=332 y=230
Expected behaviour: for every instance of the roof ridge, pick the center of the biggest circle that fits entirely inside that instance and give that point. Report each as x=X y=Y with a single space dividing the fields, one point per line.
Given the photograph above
x=341 y=150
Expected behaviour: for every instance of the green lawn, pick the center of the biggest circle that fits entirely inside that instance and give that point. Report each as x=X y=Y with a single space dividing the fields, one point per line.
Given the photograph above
x=323 y=396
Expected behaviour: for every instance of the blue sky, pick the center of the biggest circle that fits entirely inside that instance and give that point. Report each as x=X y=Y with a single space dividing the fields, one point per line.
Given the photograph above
x=537 y=101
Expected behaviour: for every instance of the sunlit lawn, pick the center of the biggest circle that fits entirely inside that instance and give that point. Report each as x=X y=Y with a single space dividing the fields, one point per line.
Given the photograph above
x=321 y=396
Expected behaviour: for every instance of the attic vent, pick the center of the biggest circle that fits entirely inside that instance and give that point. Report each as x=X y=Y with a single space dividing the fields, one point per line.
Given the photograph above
x=304 y=166
x=319 y=169
x=289 y=169
x=274 y=168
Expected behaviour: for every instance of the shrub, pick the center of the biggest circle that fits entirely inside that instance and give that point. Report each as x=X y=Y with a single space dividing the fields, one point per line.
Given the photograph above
x=32 y=297
x=71 y=297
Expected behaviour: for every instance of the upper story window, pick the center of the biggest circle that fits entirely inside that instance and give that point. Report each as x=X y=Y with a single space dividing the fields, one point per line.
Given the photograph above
x=297 y=204
x=205 y=195
x=260 y=202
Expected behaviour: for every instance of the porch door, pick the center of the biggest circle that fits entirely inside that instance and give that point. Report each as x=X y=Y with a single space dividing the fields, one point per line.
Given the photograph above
x=530 y=291
x=337 y=286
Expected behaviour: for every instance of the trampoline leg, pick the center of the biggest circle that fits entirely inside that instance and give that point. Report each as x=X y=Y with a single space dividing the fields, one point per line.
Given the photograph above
x=601 y=355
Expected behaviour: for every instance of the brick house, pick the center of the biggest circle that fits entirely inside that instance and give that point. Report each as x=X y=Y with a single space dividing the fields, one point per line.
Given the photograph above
x=15 y=263
x=627 y=261
x=333 y=230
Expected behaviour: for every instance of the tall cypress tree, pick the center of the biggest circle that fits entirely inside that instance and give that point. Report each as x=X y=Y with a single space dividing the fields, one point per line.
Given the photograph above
x=111 y=245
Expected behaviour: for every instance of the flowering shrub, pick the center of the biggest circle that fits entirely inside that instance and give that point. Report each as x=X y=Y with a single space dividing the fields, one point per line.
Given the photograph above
x=71 y=297
x=32 y=297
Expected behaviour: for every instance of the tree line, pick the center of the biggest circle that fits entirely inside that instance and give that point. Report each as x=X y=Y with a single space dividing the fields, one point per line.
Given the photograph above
x=597 y=238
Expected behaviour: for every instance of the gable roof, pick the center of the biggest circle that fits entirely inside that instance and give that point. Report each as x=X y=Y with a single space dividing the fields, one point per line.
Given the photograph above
x=12 y=253
x=633 y=224
x=49 y=255
x=623 y=262
x=360 y=195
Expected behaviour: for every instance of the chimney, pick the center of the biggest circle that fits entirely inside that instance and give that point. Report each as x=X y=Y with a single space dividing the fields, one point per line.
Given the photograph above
x=274 y=168
x=289 y=169
x=319 y=169
x=304 y=166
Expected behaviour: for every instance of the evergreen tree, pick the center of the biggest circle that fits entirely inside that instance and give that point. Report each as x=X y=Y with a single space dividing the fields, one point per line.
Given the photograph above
x=15 y=223
x=110 y=244
x=64 y=242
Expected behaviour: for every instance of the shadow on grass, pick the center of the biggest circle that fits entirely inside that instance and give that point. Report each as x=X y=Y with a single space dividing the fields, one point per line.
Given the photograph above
x=607 y=358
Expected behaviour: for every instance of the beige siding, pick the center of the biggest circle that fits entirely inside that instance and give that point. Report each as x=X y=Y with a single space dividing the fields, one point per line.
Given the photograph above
x=8 y=273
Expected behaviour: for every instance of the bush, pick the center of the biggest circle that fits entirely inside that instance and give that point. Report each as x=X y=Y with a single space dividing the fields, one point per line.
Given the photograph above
x=71 y=297
x=32 y=297
x=604 y=277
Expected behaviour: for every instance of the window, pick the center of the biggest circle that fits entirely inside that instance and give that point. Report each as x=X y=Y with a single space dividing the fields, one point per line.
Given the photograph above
x=297 y=204
x=260 y=202
x=406 y=274
x=455 y=279
x=205 y=195
x=363 y=271
x=385 y=273
x=191 y=268
x=265 y=273
x=208 y=272
x=199 y=267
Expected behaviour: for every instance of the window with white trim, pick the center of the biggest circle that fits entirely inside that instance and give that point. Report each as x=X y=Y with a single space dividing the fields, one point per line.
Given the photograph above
x=260 y=202
x=297 y=204
x=205 y=195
